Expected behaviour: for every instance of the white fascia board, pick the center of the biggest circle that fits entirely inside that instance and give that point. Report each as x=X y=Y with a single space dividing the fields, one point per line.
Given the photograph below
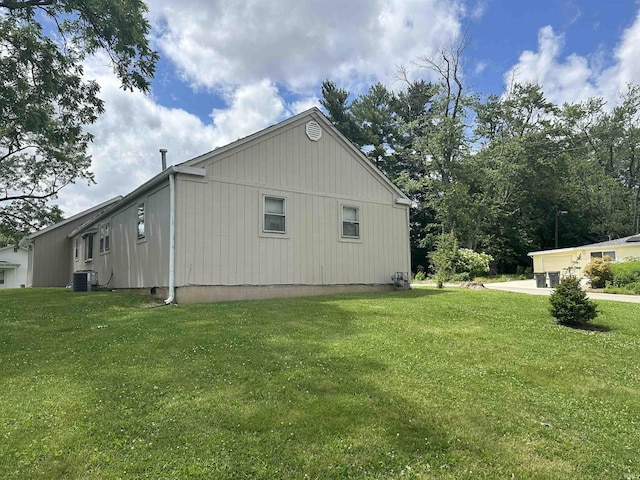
x=548 y=252
x=199 y=172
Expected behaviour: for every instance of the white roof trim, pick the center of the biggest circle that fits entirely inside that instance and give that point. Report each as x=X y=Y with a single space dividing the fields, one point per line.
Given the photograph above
x=557 y=250
x=595 y=247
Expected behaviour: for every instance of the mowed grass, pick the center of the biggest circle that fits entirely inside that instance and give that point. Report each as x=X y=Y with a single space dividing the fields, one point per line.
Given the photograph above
x=429 y=383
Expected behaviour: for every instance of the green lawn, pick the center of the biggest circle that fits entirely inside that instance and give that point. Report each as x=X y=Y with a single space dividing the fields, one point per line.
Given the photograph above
x=423 y=384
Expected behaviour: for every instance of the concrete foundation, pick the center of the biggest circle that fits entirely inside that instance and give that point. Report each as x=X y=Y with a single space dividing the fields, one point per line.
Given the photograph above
x=219 y=293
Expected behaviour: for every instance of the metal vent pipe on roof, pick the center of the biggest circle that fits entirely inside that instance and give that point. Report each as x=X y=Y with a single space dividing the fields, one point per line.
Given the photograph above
x=163 y=153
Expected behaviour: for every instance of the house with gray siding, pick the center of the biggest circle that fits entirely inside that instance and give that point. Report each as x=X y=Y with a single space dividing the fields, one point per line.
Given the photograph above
x=294 y=209
x=50 y=249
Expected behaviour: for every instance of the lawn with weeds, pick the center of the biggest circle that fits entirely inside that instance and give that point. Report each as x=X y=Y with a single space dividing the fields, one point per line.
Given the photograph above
x=428 y=383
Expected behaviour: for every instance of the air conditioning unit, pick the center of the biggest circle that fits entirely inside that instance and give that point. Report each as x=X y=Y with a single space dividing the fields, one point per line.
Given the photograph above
x=401 y=280
x=85 y=281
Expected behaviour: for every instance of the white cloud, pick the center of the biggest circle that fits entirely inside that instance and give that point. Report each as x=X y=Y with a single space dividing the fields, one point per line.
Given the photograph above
x=250 y=108
x=305 y=104
x=627 y=53
x=299 y=44
x=479 y=67
x=567 y=80
x=573 y=77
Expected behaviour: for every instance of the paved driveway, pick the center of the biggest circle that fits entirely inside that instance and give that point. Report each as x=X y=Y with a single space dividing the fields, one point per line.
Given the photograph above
x=529 y=286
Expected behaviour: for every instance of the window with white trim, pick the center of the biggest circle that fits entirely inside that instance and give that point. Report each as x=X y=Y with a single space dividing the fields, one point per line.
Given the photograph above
x=76 y=249
x=140 y=216
x=350 y=221
x=105 y=238
x=611 y=254
x=2 y=277
x=274 y=215
x=88 y=247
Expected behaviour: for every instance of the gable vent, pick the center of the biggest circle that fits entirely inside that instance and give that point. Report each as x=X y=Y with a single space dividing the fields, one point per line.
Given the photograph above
x=314 y=132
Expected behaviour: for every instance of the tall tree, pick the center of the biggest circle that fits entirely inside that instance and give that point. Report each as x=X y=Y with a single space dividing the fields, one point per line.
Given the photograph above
x=438 y=147
x=614 y=141
x=335 y=101
x=46 y=103
x=374 y=115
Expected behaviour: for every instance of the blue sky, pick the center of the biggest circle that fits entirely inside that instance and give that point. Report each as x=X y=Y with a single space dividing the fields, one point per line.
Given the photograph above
x=507 y=28
x=231 y=67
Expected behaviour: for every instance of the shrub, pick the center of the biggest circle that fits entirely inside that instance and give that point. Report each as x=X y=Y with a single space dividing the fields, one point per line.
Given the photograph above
x=420 y=276
x=460 y=277
x=570 y=305
x=524 y=272
x=598 y=271
x=629 y=289
x=443 y=258
x=625 y=273
x=473 y=263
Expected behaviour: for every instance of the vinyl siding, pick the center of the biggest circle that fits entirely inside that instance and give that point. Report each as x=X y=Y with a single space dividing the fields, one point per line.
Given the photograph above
x=219 y=235
x=289 y=160
x=52 y=258
x=134 y=263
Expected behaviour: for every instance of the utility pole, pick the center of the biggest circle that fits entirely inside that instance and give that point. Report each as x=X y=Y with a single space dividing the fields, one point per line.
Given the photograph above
x=558 y=213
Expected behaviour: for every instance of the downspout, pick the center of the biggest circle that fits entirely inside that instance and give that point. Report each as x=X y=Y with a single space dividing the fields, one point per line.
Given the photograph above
x=172 y=238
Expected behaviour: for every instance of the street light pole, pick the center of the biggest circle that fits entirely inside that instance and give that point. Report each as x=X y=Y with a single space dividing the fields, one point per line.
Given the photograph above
x=558 y=213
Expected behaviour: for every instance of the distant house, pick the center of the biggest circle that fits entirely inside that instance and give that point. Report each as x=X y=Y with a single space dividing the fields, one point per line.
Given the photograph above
x=294 y=209
x=50 y=259
x=13 y=266
x=562 y=258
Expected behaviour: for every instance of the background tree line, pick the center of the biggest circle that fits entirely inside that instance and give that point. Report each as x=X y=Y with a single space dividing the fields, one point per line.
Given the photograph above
x=496 y=171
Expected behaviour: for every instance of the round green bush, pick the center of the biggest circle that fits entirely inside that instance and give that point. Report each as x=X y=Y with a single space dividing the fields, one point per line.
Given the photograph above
x=473 y=263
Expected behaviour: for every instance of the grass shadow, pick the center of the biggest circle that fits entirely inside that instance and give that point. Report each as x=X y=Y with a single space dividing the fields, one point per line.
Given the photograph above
x=388 y=295
x=587 y=327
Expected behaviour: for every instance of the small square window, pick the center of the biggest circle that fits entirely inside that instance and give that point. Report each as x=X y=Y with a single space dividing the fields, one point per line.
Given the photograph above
x=274 y=215
x=350 y=222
